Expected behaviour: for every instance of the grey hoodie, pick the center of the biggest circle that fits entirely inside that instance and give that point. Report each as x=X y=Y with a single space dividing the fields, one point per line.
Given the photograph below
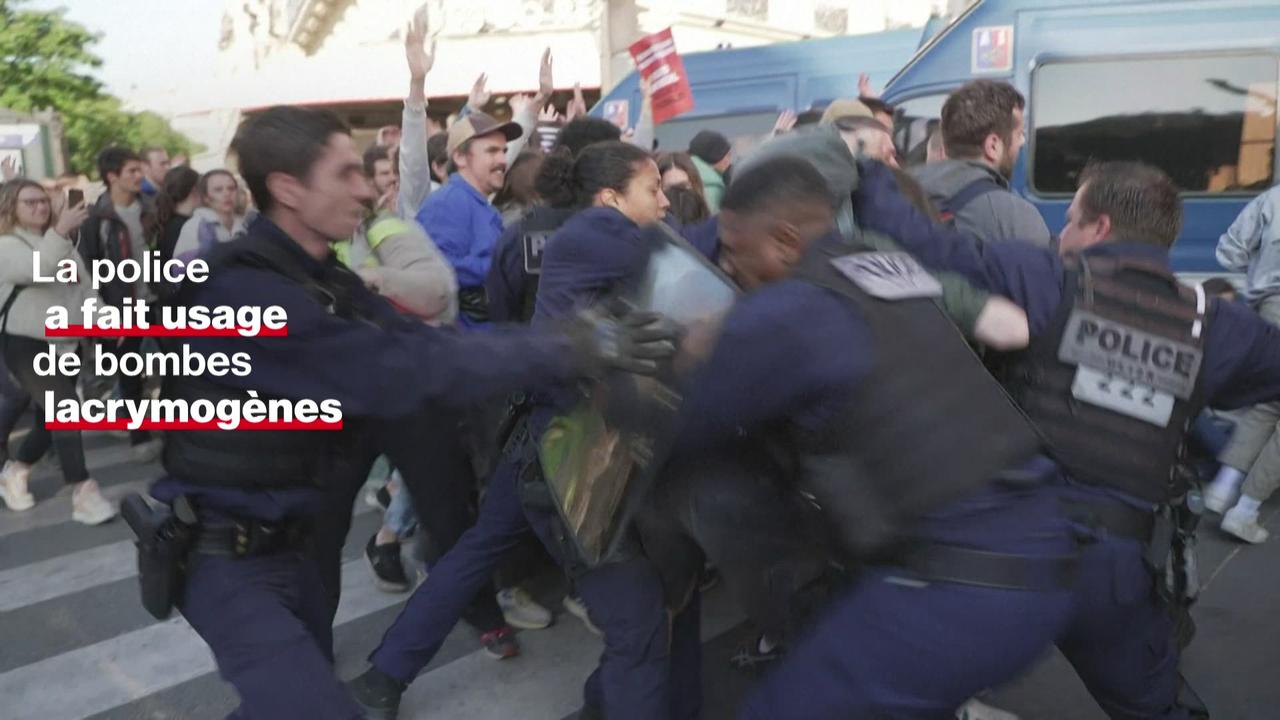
x=990 y=217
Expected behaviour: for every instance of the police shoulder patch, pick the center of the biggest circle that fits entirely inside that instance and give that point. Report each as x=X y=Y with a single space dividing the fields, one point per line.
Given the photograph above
x=534 y=244
x=888 y=275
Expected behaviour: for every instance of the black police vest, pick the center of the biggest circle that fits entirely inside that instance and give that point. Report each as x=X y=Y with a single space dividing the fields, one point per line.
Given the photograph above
x=259 y=458
x=537 y=227
x=927 y=426
x=1114 y=385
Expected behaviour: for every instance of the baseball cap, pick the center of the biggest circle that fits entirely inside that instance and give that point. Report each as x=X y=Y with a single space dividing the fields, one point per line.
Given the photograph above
x=476 y=124
x=844 y=108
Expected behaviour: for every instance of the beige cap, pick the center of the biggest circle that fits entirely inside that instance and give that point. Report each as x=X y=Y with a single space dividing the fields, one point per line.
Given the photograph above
x=844 y=108
x=476 y=124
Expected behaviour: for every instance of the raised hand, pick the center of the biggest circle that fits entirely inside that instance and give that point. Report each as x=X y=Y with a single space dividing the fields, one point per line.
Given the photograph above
x=786 y=120
x=549 y=116
x=71 y=219
x=864 y=87
x=415 y=46
x=546 y=83
x=479 y=96
x=519 y=103
x=578 y=105
x=8 y=169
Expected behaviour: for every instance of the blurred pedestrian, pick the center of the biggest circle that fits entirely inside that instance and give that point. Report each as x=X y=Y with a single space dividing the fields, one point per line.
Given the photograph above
x=215 y=221
x=29 y=240
x=155 y=163
x=175 y=205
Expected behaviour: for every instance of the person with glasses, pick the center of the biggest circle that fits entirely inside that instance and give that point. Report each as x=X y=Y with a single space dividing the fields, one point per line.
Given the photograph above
x=27 y=229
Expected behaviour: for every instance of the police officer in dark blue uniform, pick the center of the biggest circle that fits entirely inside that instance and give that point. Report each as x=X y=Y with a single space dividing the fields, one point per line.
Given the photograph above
x=1122 y=358
x=649 y=656
x=250 y=590
x=512 y=283
x=841 y=352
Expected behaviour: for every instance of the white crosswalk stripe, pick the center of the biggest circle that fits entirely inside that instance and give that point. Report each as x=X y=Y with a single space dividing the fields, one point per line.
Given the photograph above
x=109 y=674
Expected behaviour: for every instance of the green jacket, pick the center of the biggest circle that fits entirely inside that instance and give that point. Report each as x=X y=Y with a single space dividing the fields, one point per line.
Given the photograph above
x=712 y=184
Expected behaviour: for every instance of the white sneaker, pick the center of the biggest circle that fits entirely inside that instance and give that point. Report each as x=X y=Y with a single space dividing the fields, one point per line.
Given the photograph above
x=88 y=506
x=1244 y=525
x=147 y=452
x=520 y=611
x=578 y=609
x=13 y=486
x=1219 y=499
x=977 y=710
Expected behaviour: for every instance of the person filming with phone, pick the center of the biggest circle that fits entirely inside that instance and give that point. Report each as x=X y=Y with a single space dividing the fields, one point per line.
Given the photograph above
x=27 y=229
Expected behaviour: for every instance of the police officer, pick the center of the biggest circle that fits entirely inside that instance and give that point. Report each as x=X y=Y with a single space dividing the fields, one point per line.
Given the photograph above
x=249 y=591
x=968 y=560
x=512 y=283
x=618 y=190
x=1122 y=357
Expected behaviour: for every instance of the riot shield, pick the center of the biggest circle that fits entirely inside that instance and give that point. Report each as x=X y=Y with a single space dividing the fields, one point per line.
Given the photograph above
x=600 y=459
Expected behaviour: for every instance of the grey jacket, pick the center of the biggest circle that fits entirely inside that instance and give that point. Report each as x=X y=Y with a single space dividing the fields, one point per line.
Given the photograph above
x=826 y=150
x=1252 y=245
x=994 y=216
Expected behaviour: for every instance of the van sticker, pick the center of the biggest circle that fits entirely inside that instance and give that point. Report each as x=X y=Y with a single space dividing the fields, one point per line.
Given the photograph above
x=992 y=49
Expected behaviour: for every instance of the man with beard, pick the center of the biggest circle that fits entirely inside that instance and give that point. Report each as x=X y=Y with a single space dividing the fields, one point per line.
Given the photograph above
x=459 y=217
x=982 y=134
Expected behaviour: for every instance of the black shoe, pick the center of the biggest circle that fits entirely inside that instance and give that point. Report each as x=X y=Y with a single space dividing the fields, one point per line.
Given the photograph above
x=377 y=694
x=388 y=570
x=750 y=659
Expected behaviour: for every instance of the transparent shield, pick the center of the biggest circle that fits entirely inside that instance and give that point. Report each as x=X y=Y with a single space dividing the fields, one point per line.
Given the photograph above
x=599 y=460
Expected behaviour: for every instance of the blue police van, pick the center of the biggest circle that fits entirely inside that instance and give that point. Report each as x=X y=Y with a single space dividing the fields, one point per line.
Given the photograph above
x=740 y=91
x=1187 y=85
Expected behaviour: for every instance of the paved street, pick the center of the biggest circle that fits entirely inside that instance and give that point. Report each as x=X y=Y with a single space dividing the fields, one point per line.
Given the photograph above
x=75 y=643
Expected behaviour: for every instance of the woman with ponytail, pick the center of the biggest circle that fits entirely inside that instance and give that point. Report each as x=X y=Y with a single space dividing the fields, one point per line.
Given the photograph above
x=618 y=190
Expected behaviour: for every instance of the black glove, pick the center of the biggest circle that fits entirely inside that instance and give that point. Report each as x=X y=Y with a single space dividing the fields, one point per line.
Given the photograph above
x=636 y=342
x=473 y=302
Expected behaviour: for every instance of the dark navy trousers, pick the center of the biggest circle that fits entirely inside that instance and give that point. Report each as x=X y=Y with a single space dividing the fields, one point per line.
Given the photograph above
x=1120 y=639
x=895 y=646
x=267 y=621
x=625 y=601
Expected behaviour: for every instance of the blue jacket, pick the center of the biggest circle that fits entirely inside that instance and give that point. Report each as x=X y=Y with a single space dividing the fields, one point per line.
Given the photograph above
x=586 y=259
x=386 y=370
x=1242 y=352
x=465 y=226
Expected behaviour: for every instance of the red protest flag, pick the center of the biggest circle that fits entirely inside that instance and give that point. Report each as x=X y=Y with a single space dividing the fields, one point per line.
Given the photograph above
x=659 y=63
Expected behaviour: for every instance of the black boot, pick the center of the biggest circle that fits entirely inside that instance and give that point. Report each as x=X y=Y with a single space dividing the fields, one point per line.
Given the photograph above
x=377 y=694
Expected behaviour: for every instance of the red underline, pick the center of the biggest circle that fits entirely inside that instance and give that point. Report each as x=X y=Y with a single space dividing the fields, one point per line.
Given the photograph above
x=191 y=425
x=161 y=331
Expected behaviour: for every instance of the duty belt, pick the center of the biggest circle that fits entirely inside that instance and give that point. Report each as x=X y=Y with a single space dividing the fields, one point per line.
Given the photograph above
x=247 y=538
x=963 y=566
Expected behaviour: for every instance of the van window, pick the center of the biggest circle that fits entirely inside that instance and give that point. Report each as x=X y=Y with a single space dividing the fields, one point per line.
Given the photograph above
x=913 y=120
x=1209 y=122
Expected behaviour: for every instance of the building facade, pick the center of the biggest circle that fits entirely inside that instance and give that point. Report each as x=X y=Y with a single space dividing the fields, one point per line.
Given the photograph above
x=348 y=54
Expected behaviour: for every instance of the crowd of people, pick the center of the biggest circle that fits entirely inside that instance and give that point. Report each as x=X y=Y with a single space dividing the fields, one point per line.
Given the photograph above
x=455 y=285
